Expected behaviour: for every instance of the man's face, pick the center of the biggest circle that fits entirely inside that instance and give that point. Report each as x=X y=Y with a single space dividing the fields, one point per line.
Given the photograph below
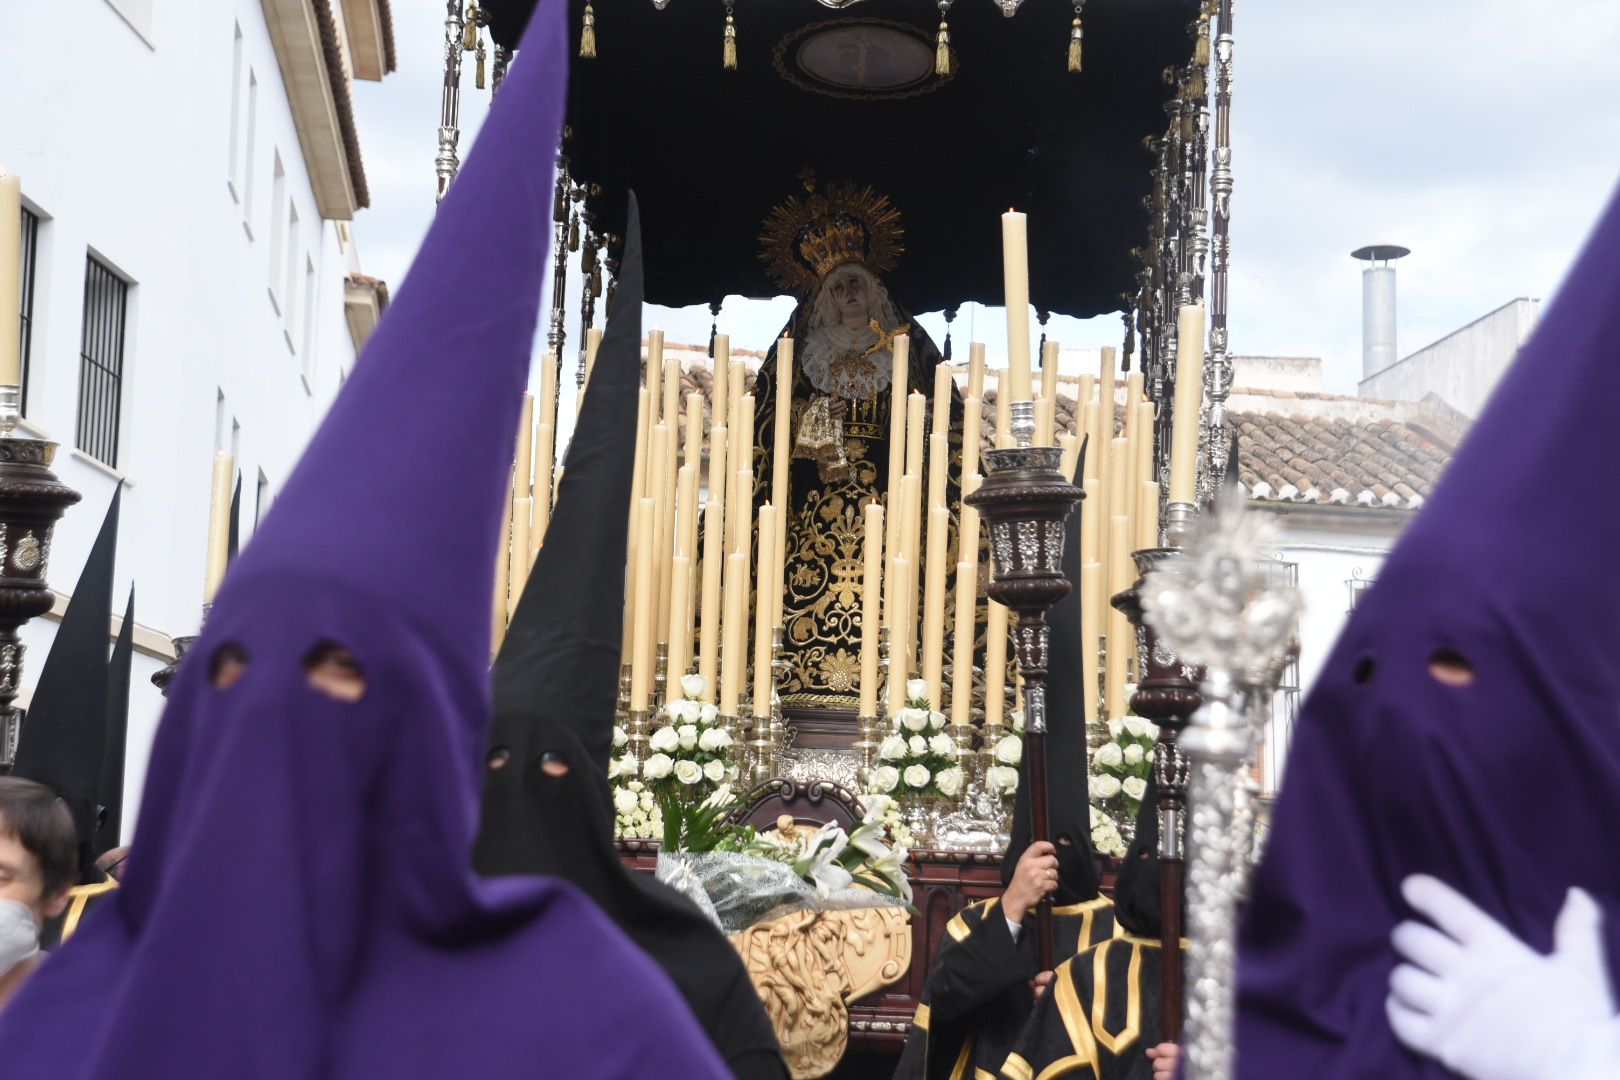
x=20 y=879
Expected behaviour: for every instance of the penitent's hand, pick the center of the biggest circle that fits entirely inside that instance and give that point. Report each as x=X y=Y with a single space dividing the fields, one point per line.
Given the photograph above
x=1487 y=1006
x=1039 y=984
x=1164 y=1057
x=1035 y=875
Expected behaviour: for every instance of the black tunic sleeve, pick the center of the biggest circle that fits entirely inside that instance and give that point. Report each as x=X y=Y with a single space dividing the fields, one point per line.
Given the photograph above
x=978 y=965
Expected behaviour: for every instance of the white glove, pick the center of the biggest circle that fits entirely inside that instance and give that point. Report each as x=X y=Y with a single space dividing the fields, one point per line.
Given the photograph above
x=1487 y=1006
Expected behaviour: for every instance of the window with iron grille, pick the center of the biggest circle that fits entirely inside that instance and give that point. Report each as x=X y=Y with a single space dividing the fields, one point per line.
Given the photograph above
x=1285 y=702
x=101 y=361
x=30 y=257
x=1358 y=587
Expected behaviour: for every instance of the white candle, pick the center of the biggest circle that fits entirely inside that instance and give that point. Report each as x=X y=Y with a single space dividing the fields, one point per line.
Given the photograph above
x=933 y=654
x=680 y=619
x=871 y=608
x=976 y=369
x=10 y=281
x=762 y=619
x=962 y=651
x=219 y=523
x=709 y=624
x=1015 y=274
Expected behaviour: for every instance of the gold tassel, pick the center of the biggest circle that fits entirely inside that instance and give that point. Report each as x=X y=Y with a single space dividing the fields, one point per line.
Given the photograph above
x=728 y=56
x=479 y=81
x=573 y=233
x=587 y=36
x=942 y=50
x=469 y=32
x=1074 y=47
x=1201 y=50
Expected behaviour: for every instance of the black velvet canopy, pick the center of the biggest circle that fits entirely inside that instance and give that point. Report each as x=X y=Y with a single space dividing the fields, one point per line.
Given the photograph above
x=711 y=151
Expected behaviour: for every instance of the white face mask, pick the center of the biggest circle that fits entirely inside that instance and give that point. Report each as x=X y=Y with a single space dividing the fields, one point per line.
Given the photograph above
x=19 y=934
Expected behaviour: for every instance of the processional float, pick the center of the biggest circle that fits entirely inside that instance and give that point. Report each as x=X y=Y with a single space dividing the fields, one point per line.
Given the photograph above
x=805 y=93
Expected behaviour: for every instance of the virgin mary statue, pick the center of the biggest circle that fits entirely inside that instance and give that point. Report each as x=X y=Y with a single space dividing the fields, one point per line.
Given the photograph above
x=829 y=249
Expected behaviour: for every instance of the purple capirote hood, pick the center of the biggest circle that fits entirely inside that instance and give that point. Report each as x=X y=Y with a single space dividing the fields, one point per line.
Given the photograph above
x=300 y=902
x=1500 y=787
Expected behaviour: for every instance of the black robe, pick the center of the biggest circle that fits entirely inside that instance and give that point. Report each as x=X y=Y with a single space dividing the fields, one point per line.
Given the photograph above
x=978 y=995
x=82 y=899
x=1098 y=1019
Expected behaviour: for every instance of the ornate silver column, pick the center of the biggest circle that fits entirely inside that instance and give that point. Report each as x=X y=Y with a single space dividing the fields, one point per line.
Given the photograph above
x=447 y=163
x=1216 y=607
x=1218 y=371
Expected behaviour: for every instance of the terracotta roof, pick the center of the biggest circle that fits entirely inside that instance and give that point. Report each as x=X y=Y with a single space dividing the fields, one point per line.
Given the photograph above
x=332 y=51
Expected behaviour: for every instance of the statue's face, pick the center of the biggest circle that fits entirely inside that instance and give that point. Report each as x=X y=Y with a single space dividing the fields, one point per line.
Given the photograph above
x=848 y=288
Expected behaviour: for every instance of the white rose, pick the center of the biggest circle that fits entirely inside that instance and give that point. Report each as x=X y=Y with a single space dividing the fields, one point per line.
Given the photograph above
x=913 y=719
x=646 y=798
x=919 y=745
x=1133 y=754
x=1152 y=729
x=657 y=767
x=1010 y=750
x=636 y=785
x=1110 y=755
x=885 y=778
x=665 y=740
x=713 y=739
x=916 y=689
x=1136 y=726
x=1115 y=727
x=715 y=771
x=683 y=712
x=708 y=714
x=619 y=737
x=624 y=802
x=893 y=748
x=693 y=685
x=942 y=745
x=950 y=781
x=936 y=720
x=688 y=736
x=688 y=772
x=1002 y=779
x=1104 y=786
x=1135 y=787
x=1017 y=718
x=917 y=776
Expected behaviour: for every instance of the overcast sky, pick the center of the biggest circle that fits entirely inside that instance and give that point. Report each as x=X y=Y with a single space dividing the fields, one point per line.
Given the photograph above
x=1482 y=134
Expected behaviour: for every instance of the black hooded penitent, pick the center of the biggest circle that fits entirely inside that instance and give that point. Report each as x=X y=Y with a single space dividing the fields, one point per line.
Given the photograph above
x=556 y=688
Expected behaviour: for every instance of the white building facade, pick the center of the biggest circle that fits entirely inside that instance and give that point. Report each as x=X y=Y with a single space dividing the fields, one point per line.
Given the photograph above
x=191 y=281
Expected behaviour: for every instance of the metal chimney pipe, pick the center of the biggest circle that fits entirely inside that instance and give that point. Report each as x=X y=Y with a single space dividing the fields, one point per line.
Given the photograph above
x=1378 y=320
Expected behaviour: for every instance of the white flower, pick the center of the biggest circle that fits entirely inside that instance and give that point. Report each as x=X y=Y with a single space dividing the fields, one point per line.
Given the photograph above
x=636 y=785
x=892 y=868
x=885 y=778
x=693 y=685
x=912 y=719
x=950 y=781
x=942 y=745
x=657 y=767
x=1152 y=729
x=916 y=689
x=1017 y=718
x=713 y=739
x=1010 y=750
x=683 y=712
x=624 y=802
x=1137 y=726
x=876 y=807
x=1135 y=787
x=619 y=737
x=715 y=771
x=708 y=714
x=868 y=839
x=721 y=798
x=1115 y=727
x=1104 y=786
x=688 y=736
x=664 y=740
x=917 y=776
x=1109 y=755
x=936 y=720
x=893 y=748
x=646 y=798
x=688 y=772
x=1106 y=839
x=1001 y=779
x=622 y=766
x=1133 y=754
x=919 y=745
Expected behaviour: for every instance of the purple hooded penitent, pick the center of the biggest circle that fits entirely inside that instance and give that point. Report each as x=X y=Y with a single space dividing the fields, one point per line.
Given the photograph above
x=300 y=902
x=1501 y=787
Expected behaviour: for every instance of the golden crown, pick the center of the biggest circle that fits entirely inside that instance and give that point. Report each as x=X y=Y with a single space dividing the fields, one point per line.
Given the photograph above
x=807 y=238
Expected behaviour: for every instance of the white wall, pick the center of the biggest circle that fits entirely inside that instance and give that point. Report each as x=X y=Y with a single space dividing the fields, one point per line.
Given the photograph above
x=1462 y=367
x=125 y=148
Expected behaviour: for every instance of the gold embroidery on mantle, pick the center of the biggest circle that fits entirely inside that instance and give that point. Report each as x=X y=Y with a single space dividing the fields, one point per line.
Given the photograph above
x=810 y=965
